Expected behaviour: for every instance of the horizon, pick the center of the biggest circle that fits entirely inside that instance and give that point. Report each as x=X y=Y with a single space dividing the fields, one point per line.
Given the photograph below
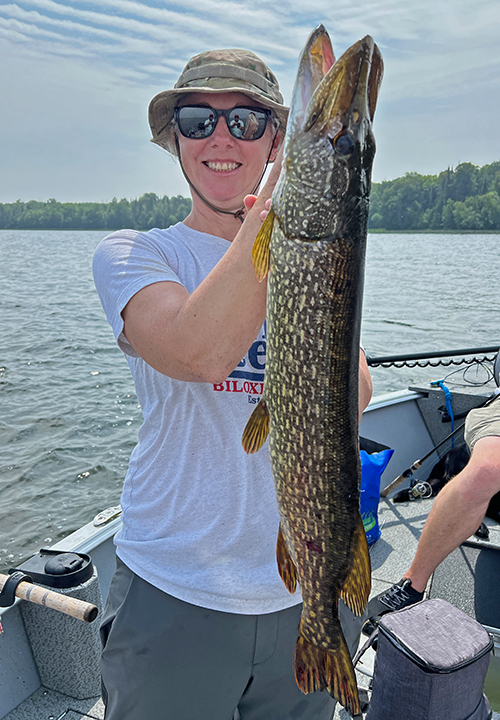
x=188 y=197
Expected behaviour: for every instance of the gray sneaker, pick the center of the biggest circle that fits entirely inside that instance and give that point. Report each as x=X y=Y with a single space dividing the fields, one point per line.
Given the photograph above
x=397 y=597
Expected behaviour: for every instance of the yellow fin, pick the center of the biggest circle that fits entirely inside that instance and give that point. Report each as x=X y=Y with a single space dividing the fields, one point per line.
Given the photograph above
x=356 y=589
x=260 y=253
x=286 y=566
x=320 y=669
x=256 y=429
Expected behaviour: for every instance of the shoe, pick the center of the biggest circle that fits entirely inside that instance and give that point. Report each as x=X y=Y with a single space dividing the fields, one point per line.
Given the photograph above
x=397 y=597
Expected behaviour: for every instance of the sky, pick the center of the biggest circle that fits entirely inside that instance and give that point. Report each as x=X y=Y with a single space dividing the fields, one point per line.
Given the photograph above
x=76 y=78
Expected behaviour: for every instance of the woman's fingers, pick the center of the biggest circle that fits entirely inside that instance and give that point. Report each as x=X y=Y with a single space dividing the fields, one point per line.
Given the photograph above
x=266 y=192
x=263 y=214
x=249 y=201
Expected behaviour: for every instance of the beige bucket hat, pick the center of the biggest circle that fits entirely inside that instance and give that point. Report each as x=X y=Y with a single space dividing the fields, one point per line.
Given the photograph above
x=211 y=72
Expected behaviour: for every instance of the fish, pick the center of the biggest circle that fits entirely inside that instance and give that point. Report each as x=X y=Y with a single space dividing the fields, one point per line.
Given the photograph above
x=311 y=247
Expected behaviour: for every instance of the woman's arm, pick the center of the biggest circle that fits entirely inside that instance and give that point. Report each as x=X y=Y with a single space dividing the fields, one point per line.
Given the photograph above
x=202 y=336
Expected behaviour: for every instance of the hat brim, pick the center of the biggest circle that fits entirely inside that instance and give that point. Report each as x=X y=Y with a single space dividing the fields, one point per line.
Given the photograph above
x=161 y=109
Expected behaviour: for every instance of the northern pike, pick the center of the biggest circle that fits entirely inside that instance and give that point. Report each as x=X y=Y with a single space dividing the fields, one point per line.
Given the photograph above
x=312 y=246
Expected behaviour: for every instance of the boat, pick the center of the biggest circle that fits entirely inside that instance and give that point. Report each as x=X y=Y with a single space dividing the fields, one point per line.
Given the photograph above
x=49 y=661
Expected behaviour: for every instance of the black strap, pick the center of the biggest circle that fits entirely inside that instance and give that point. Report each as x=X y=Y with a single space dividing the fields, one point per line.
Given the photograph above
x=368 y=643
x=8 y=594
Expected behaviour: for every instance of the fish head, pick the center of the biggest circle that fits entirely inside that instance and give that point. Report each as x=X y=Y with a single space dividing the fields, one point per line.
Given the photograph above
x=329 y=148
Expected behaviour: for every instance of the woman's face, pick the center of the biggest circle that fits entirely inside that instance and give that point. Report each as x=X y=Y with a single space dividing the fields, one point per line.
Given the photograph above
x=222 y=168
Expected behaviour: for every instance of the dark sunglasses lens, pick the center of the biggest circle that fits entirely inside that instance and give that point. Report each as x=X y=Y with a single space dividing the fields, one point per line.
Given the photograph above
x=196 y=122
x=247 y=123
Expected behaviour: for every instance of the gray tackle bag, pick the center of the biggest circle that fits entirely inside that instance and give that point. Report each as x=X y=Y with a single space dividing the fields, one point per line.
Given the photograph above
x=431 y=664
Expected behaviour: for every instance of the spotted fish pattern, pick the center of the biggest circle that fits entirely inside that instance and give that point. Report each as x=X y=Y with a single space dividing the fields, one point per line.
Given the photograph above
x=312 y=245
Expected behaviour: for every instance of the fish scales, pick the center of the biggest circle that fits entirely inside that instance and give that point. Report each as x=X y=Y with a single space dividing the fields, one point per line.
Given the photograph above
x=314 y=505
x=312 y=245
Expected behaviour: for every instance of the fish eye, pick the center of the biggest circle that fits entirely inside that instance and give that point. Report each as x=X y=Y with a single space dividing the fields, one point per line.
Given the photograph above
x=343 y=143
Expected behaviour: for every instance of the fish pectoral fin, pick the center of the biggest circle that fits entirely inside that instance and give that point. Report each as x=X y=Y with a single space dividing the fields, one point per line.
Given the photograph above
x=286 y=566
x=260 y=254
x=356 y=589
x=256 y=429
x=320 y=669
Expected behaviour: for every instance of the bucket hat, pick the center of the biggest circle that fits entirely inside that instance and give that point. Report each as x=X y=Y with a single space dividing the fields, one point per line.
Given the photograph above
x=214 y=71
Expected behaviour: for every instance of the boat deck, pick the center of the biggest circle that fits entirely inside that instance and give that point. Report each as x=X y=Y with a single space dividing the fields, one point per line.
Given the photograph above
x=401 y=525
x=50 y=705
x=391 y=555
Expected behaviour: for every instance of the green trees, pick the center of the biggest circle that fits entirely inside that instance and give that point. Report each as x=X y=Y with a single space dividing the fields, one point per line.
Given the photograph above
x=142 y=214
x=467 y=198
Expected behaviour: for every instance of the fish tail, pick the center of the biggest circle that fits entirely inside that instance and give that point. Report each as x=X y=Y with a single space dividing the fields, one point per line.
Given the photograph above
x=332 y=670
x=356 y=589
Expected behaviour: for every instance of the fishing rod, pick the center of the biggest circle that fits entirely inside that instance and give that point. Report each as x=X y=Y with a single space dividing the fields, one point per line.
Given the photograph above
x=418 y=463
x=20 y=585
x=374 y=361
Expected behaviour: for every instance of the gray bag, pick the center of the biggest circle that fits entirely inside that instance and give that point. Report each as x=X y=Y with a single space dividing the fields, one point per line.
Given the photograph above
x=431 y=664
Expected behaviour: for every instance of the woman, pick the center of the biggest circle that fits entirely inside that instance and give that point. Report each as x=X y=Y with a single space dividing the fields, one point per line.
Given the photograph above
x=198 y=623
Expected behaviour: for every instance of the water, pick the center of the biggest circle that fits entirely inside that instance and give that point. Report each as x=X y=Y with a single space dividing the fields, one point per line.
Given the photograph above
x=69 y=416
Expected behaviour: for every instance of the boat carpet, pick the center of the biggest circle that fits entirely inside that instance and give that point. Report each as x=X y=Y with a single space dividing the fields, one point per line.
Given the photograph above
x=51 y=704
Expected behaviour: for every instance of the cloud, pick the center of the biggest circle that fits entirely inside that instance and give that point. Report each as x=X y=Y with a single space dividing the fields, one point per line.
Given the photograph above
x=78 y=75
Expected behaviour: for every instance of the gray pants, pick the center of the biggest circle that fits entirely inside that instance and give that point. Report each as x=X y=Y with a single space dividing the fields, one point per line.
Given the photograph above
x=165 y=659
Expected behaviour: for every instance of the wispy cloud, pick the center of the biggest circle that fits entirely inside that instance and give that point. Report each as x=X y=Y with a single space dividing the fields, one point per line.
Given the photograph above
x=94 y=64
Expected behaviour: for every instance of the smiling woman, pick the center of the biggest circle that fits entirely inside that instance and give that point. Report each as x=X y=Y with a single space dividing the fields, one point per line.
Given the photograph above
x=244 y=91
x=220 y=167
x=196 y=594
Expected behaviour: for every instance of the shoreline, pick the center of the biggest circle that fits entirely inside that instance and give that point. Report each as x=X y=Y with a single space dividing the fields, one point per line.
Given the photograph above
x=374 y=231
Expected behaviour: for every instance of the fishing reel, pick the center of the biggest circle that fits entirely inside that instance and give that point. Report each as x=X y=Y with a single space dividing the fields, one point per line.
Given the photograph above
x=419 y=490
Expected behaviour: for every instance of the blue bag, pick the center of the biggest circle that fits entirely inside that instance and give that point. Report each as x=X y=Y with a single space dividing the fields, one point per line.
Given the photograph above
x=372 y=467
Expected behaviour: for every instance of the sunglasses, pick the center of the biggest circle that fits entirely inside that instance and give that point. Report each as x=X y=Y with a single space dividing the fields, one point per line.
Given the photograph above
x=198 y=122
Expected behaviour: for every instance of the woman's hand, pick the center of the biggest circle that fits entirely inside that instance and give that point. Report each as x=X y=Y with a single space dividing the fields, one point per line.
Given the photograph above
x=250 y=200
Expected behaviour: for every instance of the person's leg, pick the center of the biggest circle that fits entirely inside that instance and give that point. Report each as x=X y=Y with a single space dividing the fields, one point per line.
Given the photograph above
x=457 y=511
x=273 y=692
x=169 y=660
x=456 y=514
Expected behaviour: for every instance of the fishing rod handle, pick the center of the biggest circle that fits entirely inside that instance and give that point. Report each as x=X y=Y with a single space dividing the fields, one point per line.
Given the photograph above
x=397 y=481
x=393 y=485
x=78 y=609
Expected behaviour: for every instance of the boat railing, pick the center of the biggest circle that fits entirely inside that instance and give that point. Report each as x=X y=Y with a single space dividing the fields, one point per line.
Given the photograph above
x=434 y=358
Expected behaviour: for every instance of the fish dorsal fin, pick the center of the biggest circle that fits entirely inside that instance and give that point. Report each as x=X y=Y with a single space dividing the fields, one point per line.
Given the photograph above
x=260 y=254
x=314 y=63
x=256 y=429
x=356 y=589
x=286 y=566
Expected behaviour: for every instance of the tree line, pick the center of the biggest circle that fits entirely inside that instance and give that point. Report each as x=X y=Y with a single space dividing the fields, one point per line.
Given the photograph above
x=464 y=198
x=144 y=213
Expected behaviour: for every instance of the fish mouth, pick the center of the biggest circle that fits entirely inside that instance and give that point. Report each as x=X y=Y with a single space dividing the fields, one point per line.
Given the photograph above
x=347 y=94
x=315 y=61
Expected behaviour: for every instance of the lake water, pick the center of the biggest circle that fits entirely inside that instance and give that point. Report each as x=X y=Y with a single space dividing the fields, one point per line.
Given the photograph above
x=69 y=417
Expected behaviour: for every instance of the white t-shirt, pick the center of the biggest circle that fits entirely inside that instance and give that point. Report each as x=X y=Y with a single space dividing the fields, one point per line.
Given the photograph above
x=199 y=515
